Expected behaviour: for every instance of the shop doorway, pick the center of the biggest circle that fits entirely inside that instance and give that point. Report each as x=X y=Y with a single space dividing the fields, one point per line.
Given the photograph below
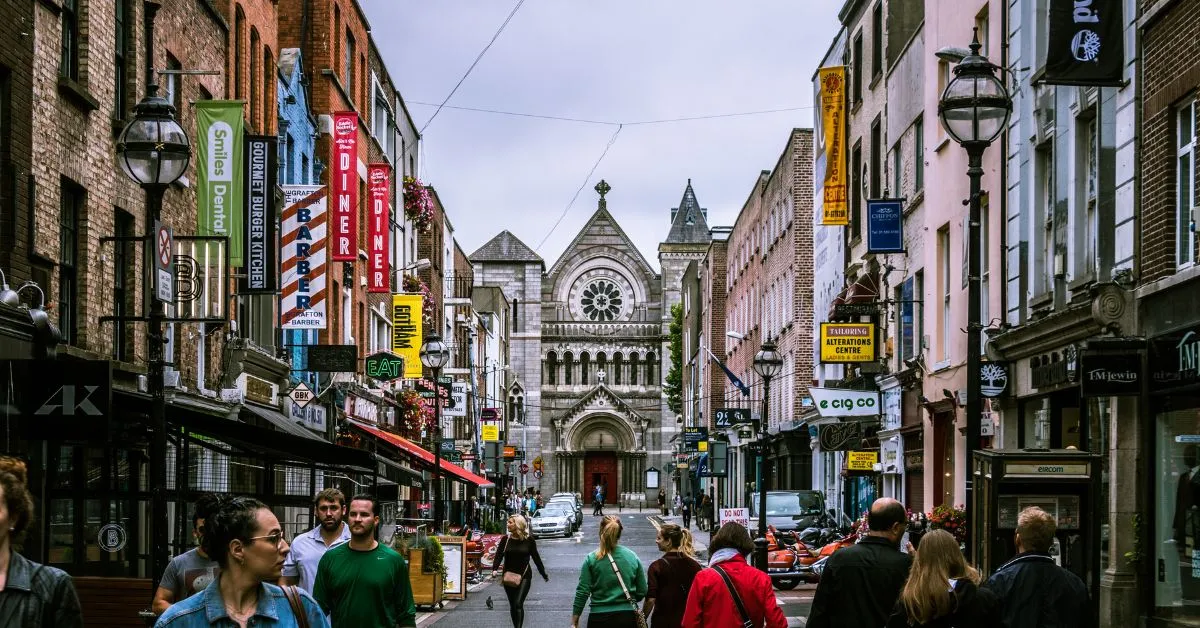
x=600 y=469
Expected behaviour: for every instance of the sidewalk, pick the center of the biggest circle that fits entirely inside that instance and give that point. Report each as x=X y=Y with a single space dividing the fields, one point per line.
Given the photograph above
x=698 y=537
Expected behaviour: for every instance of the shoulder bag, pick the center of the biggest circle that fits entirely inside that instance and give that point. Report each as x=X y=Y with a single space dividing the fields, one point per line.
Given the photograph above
x=293 y=598
x=641 y=619
x=737 y=599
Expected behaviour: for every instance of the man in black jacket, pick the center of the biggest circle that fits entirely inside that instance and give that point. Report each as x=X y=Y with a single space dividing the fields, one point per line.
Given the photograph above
x=1034 y=592
x=860 y=584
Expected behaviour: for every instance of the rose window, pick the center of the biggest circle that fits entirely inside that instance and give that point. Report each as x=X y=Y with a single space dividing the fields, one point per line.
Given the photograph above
x=601 y=300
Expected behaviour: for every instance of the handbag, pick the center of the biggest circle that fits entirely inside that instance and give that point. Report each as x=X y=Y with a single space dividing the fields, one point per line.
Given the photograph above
x=637 y=612
x=293 y=598
x=512 y=579
x=737 y=599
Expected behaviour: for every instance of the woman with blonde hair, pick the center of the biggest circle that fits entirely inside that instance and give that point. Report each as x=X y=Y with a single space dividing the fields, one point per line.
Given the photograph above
x=515 y=552
x=612 y=577
x=943 y=590
x=670 y=577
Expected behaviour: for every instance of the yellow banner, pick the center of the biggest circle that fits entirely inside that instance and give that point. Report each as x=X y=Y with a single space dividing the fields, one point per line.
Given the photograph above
x=406 y=332
x=833 y=121
x=861 y=460
x=847 y=342
x=490 y=433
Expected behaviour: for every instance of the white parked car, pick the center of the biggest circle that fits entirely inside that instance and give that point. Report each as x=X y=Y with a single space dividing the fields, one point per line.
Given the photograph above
x=567 y=501
x=553 y=520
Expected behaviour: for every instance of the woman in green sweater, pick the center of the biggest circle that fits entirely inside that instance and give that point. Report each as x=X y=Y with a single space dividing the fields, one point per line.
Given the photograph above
x=601 y=578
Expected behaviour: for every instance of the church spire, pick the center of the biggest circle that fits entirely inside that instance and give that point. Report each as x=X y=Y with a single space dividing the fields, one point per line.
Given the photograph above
x=603 y=187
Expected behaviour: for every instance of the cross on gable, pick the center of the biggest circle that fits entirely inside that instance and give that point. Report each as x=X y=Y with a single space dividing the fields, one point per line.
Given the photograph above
x=603 y=187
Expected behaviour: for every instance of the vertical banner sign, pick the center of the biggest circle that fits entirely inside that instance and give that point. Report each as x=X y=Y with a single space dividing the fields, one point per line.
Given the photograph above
x=344 y=236
x=833 y=122
x=304 y=261
x=406 y=332
x=378 y=229
x=261 y=244
x=885 y=226
x=219 y=132
x=1086 y=44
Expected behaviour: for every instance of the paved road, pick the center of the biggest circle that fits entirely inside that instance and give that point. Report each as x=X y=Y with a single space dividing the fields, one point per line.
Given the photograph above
x=549 y=604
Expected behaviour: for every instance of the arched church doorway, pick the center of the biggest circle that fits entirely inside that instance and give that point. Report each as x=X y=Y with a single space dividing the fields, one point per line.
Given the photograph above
x=600 y=469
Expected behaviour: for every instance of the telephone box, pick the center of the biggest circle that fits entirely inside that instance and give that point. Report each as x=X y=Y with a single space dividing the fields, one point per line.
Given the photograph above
x=1063 y=482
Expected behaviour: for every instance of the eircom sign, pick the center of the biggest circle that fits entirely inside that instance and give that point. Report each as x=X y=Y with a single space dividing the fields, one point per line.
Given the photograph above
x=838 y=402
x=847 y=342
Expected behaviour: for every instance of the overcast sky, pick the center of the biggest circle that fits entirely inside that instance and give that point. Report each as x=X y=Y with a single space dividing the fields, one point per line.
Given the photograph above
x=615 y=60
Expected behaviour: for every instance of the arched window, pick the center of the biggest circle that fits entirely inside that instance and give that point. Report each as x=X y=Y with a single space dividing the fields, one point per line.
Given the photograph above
x=255 y=77
x=569 y=363
x=650 y=364
x=602 y=363
x=552 y=369
x=239 y=54
x=618 y=366
x=633 y=369
x=585 y=363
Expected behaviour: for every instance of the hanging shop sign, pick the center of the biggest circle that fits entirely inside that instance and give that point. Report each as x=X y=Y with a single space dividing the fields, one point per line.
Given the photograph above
x=1054 y=369
x=261 y=242
x=834 y=209
x=693 y=437
x=303 y=257
x=490 y=432
x=384 y=366
x=457 y=408
x=219 y=130
x=1176 y=359
x=840 y=436
x=1110 y=375
x=1085 y=44
x=728 y=417
x=344 y=181
x=406 y=331
x=885 y=225
x=839 y=402
x=993 y=379
x=332 y=358
x=861 y=460
x=378 y=228
x=361 y=408
x=312 y=416
x=847 y=342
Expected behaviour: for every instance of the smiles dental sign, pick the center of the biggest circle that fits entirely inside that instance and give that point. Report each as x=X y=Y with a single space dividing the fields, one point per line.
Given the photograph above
x=219 y=170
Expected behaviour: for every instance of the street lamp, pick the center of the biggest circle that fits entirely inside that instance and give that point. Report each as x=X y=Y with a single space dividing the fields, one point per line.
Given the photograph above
x=974 y=110
x=767 y=363
x=434 y=355
x=153 y=151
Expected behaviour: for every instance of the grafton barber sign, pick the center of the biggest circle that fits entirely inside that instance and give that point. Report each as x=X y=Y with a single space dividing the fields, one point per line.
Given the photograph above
x=1085 y=43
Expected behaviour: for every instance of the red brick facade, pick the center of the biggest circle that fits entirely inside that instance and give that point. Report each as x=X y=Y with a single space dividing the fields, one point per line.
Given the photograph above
x=252 y=59
x=712 y=324
x=16 y=118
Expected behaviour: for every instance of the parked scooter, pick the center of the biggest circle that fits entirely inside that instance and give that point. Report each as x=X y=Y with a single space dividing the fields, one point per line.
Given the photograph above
x=790 y=561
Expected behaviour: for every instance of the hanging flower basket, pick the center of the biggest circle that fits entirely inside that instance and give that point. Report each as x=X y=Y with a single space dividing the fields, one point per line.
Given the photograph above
x=415 y=414
x=951 y=519
x=412 y=283
x=418 y=203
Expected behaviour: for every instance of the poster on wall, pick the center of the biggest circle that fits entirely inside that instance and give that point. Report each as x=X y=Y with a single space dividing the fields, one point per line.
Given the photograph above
x=219 y=130
x=261 y=243
x=343 y=179
x=379 y=228
x=302 y=257
x=406 y=331
x=833 y=122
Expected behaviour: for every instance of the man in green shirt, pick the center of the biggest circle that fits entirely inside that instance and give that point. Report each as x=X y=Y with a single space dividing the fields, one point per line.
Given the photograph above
x=362 y=583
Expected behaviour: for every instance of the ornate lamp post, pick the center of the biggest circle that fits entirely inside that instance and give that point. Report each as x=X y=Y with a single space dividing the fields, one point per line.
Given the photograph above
x=767 y=363
x=434 y=355
x=974 y=110
x=153 y=151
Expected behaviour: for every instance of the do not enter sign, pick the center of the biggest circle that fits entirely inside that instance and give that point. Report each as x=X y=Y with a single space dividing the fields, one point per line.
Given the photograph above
x=524 y=468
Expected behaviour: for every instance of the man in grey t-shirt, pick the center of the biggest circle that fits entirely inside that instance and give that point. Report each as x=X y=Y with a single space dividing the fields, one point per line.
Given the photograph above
x=192 y=571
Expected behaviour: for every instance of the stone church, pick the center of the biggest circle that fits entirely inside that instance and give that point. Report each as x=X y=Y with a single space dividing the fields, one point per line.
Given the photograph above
x=588 y=350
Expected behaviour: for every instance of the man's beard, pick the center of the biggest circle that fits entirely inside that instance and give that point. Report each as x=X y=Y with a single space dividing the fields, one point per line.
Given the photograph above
x=366 y=530
x=335 y=524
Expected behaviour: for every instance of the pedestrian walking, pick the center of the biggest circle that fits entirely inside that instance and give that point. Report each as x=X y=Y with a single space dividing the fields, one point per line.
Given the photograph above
x=706 y=514
x=32 y=595
x=515 y=552
x=730 y=592
x=1034 y=592
x=662 y=501
x=678 y=501
x=612 y=578
x=860 y=584
x=192 y=571
x=669 y=579
x=686 y=511
x=300 y=568
x=245 y=538
x=362 y=582
x=926 y=601
x=598 y=501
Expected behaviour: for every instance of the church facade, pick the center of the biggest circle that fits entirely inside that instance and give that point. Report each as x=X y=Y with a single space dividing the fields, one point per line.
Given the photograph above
x=589 y=353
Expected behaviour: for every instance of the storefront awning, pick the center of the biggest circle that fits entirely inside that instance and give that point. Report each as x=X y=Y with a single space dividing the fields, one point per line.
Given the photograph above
x=276 y=418
x=390 y=470
x=865 y=290
x=424 y=456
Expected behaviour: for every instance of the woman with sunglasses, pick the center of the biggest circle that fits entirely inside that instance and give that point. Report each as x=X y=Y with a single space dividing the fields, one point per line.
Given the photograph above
x=246 y=540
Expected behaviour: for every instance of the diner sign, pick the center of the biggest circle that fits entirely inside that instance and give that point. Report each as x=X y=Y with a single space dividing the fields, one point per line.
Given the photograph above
x=378 y=228
x=344 y=181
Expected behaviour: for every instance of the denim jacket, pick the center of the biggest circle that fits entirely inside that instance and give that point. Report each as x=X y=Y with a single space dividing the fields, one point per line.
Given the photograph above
x=37 y=596
x=206 y=609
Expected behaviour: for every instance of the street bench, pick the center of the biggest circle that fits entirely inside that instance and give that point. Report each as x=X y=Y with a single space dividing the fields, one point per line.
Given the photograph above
x=114 y=602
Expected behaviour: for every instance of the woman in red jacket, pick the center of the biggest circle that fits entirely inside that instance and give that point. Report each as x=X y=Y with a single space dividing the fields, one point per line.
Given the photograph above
x=711 y=601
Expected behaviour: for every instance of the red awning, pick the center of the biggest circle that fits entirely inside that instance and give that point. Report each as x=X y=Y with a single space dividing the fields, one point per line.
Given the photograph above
x=865 y=290
x=424 y=456
x=838 y=300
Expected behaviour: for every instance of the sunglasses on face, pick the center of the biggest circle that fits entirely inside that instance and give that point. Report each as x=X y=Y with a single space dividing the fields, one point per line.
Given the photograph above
x=276 y=538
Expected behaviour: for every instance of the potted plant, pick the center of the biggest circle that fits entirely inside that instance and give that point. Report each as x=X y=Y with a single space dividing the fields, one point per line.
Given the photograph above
x=426 y=568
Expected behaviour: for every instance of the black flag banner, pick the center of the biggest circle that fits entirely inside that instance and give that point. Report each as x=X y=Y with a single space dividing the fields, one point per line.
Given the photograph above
x=1086 y=44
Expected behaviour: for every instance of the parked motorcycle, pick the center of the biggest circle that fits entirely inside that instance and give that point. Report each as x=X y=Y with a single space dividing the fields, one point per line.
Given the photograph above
x=790 y=560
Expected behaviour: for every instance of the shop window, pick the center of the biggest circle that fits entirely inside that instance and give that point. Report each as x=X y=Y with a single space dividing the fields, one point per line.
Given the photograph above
x=1176 y=542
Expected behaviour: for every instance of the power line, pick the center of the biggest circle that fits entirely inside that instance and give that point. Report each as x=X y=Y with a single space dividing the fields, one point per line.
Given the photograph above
x=473 y=64
x=717 y=115
x=516 y=113
x=522 y=114
x=586 y=180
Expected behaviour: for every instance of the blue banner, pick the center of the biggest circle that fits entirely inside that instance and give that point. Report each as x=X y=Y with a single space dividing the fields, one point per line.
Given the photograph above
x=885 y=231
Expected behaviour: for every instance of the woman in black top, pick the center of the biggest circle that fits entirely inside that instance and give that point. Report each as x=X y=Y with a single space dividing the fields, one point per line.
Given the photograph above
x=514 y=552
x=670 y=577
